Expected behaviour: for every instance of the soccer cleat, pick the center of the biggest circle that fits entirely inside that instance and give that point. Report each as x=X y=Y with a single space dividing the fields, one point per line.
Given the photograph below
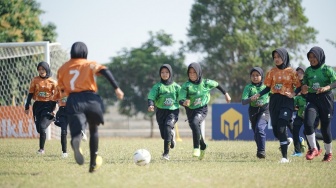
x=77 y=151
x=261 y=154
x=173 y=141
x=165 y=157
x=84 y=137
x=311 y=154
x=319 y=152
x=297 y=154
x=64 y=155
x=40 y=151
x=196 y=152
x=202 y=153
x=284 y=160
x=327 y=157
x=99 y=162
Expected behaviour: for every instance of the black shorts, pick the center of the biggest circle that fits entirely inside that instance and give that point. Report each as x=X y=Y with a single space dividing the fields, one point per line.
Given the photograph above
x=84 y=107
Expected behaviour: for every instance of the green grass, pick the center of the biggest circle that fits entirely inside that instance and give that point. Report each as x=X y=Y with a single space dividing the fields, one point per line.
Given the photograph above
x=227 y=164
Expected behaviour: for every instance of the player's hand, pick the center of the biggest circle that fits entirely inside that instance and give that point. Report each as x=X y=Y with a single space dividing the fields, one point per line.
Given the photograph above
x=254 y=97
x=227 y=98
x=290 y=94
x=322 y=89
x=186 y=102
x=304 y=89
x=150 y=108
x=119 y=93
x=27 y=111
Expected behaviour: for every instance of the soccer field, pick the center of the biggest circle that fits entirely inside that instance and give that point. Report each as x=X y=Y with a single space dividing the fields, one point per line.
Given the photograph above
x=227 y=164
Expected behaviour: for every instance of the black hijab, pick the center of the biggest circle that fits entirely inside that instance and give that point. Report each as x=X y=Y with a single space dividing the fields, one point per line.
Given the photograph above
x=261 y=72
x=198 y=69
x=46 y=67
x=79 y=50
x=284 y=56
x=170 y=79
x=319 y=54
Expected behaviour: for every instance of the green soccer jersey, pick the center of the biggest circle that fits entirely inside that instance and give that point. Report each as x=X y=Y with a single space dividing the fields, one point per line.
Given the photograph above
x=300 y=102
x=198 y=94
x=251 y=90
x=316 y=78
x=165 y=96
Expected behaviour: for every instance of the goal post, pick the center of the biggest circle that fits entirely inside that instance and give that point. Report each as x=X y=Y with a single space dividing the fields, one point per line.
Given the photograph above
x=18 y=63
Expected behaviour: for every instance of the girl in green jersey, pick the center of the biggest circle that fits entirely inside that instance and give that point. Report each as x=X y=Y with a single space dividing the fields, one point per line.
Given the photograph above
x=164 y=95
x=258 y=109
x=318 y=81
x=194 y=96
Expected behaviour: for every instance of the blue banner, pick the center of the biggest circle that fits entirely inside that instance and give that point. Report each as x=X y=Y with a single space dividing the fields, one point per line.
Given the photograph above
x=231 y=122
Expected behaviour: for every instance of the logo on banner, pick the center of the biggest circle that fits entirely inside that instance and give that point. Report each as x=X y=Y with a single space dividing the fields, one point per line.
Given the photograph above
x=231 y=121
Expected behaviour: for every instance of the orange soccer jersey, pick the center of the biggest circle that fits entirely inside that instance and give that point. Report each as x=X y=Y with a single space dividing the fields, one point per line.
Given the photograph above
x=60 y=96
x=42 y=89
x=281 y=81
x=78 y=75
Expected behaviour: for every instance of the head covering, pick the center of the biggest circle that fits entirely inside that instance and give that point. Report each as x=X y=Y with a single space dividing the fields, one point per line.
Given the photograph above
x=79 y=50
x=170 y=79
x=261 y=72
x=319 y=54
x=198 y=69
x=284 y=56
x=302 y=68
x=46 y=67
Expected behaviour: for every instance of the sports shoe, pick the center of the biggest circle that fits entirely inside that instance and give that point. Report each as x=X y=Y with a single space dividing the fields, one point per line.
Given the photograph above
x=297 y=154
x=261 y=154
x=319 y=152
x=202 y=154
x=40 y=151
x=327 y=157
x=311 y=154
x=77 y=151
x=64 y=155
x=196 y=152
x=99 y=162
x=173 y=141
x=284 y=160
x=165 y=157
x=84 y=137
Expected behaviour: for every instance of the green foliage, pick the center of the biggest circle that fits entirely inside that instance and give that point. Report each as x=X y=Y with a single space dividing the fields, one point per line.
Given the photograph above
x=227 y=164
x=236 y=35
x=19 y=22
x=137 y=70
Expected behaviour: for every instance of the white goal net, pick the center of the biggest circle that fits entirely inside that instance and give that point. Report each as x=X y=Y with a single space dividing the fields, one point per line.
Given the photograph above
x=18 y=63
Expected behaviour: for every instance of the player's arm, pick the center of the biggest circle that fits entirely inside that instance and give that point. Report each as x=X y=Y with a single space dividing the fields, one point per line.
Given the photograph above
x=227 y=96
x=261 y=93
x=29 y=98
x=108 y=75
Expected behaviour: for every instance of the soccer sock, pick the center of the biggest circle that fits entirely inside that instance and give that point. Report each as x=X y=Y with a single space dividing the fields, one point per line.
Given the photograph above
x=284 y=148
x=43 y=137
x=311 y=140
x=328 y=148
x=166 y=147
x=64 y=142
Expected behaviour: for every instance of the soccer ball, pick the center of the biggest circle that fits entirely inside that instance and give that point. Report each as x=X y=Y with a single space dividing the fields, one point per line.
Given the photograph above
x=141 y=157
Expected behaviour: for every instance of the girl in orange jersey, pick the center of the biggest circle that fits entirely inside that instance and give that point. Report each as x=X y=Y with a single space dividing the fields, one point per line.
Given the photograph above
x=42 y=89
x=77 y=78
x=281 y=81
x=61 y=120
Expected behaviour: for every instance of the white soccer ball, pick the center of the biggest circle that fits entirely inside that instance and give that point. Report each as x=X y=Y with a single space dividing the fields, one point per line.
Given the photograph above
x=141 y=157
